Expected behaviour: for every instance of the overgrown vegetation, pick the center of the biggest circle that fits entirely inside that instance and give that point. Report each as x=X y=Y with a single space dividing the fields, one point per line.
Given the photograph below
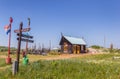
x=4 y=49
x=101 y=66
x=96 y=46
x=110 y=50
x=114 y=50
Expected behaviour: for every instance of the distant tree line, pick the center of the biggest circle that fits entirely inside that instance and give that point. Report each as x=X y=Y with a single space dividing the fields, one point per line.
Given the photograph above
x=4 y=49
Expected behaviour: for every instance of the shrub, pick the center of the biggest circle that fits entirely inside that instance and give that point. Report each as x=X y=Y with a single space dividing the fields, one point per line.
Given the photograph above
x=96 y=47
x=114 y=50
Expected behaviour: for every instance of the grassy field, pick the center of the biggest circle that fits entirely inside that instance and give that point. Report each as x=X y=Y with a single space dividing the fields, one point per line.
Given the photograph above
x=100 y=66
x=2 y=62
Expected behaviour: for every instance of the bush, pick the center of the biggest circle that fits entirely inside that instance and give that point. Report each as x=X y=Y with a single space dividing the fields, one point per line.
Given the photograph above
x=114 y=50
x=105 y=50
x=96 y=47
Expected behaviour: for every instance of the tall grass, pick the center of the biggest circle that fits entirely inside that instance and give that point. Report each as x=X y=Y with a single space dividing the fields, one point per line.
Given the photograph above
x=76 y=68
x=2 y=62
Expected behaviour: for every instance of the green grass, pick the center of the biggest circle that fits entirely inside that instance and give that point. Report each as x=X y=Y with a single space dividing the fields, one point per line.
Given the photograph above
x=3 y=53
x=2 y=62
x=88 y=67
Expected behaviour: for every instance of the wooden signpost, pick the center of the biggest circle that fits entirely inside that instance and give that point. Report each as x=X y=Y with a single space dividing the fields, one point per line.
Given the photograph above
x=21 y=37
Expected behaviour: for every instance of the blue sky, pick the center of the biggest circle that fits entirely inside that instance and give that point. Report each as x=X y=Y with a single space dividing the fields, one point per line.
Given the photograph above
x=91 y=19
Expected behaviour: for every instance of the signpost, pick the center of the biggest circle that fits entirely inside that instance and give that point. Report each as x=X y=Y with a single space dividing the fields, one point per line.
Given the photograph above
x=22 y=37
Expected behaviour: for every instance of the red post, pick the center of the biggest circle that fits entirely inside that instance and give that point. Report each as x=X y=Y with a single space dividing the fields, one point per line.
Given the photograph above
x=8 y=60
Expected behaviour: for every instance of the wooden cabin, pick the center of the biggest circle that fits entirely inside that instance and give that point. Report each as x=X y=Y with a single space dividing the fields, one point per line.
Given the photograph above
x=72 y=45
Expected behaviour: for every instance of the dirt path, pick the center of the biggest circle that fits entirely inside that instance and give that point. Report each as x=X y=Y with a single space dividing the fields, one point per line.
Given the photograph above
x=3 y=56
x=68 y=56
x=65 y=56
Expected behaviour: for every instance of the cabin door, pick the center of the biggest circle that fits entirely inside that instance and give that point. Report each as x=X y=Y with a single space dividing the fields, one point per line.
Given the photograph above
x=78 y=49
x=74 y=49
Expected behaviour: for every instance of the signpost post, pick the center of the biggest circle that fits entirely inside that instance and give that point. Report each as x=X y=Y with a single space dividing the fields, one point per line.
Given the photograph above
x=19 y=46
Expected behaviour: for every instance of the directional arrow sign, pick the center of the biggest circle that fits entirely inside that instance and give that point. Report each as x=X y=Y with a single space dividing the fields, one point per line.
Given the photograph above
x=23 y=30
x=26 y=40
x=25 y=35
x=17 y=31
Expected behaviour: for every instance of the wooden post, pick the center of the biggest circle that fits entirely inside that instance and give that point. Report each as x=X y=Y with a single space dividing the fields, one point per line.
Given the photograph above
x=26 y=47
x=19 y=45
x=14 y=67
x=27 y=41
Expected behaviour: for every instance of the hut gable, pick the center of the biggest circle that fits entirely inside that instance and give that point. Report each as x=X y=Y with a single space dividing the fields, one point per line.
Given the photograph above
x=63 y=39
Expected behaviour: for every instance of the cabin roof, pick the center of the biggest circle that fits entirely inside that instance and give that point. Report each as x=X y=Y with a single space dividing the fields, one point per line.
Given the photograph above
x=74 y=40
